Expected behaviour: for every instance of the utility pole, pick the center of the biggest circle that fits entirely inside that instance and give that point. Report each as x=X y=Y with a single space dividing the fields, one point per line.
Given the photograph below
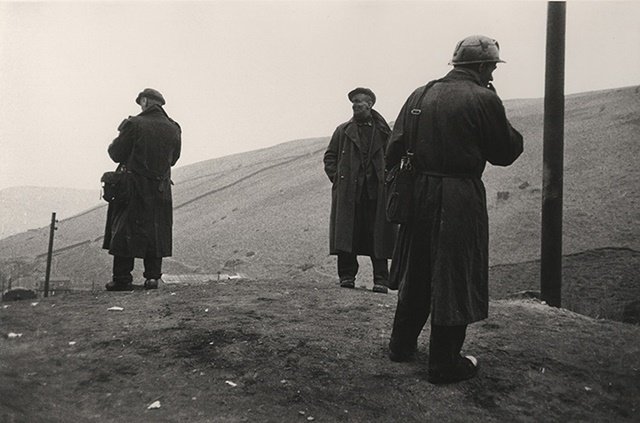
x=553 y=157
x=52 y=228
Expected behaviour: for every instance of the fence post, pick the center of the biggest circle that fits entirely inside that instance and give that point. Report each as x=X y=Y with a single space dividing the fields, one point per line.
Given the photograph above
x=52 y=228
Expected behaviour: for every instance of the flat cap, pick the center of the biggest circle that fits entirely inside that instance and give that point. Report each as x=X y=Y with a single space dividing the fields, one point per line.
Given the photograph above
x=151 y=93
x=361 y=90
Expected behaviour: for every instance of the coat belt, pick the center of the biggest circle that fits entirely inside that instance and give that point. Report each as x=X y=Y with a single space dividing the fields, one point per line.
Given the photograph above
x=448 y=175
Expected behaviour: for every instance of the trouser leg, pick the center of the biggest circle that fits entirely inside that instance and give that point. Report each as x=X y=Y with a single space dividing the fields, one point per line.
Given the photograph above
x=347 y=266
x=380 y=271
x=152 y=268
x=122 y=268
x=445 y=344
x=412 y=312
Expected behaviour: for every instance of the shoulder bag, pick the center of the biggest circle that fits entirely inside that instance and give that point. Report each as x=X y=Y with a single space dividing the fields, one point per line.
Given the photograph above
x=399 y=180
x=116 y=185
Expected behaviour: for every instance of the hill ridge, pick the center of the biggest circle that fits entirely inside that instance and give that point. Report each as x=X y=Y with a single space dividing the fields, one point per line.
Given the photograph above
x=266 y=211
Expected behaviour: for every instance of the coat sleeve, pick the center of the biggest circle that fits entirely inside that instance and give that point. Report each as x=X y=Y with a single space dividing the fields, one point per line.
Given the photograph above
x=396 y=147
x=331 y=155
x=178 y=147
x=120 y=148
x=501 y=144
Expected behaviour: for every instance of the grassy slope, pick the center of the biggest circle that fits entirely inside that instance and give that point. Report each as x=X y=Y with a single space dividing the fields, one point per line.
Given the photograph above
x=274 y=202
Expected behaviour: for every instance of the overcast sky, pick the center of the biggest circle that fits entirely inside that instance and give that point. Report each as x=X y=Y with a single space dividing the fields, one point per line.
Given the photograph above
x=242 y=75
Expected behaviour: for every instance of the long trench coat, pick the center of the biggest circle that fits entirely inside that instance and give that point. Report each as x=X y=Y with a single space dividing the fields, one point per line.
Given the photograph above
x=462 y=126
x=148 y=144
x=342 y=162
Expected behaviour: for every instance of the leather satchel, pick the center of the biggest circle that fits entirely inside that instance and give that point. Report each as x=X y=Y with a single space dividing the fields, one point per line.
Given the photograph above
x=116 y=185
x=399 y=191
x=399 y=180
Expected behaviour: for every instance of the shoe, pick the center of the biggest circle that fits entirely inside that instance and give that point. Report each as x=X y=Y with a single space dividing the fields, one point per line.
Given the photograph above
x=348 y=283
x=113 y=286
x=465 y=368
x=151 y=284
x=380 y=288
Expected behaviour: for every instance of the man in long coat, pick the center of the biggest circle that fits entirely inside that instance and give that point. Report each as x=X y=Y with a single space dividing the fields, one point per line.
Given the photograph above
x=440 y=262
x=147 y=146
x=354 y=163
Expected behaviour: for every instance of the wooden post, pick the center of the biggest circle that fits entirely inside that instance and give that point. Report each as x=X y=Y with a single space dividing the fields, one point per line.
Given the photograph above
x=52 y=228
x=553 y=157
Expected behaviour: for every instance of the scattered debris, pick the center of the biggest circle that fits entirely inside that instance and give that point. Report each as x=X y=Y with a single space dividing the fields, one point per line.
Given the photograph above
x=154 y=405
x=232 y=384
x=503 y=195
x=115 y=308
x=306 y=266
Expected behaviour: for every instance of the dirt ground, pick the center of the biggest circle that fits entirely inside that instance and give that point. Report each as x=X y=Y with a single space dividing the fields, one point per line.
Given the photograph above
x=294 y=350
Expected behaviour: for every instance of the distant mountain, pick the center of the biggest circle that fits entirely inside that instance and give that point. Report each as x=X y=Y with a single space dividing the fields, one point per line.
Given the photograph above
x=266 y=212
x=27 y=207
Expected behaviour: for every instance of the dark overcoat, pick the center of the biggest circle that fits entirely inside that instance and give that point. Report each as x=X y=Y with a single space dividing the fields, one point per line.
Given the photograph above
x=342 y=162
x=462 y=126
x=148 y=144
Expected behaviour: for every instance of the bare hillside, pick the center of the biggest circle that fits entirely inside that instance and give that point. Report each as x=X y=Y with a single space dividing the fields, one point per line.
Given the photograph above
x=266 y=212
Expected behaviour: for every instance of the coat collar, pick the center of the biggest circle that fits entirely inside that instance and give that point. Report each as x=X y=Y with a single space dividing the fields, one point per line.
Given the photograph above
x=153 y=110
x=381 y=125
x=463 y=74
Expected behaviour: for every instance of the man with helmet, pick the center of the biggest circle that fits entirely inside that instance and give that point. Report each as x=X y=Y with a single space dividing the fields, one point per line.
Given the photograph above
x=354 y=163
x=147 y=146
x=454 y=125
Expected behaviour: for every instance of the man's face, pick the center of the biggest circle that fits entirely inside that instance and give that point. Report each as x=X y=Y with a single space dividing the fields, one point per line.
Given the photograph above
x=144 y=103
x=361 y=105
x=486 y=72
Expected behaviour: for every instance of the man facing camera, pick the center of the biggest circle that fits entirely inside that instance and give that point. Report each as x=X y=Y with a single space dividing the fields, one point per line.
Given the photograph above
x=354 y=163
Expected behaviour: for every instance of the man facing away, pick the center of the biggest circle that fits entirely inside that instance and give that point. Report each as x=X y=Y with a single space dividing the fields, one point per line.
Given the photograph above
x=440 y=262
x=147 y=146
x=354 y=163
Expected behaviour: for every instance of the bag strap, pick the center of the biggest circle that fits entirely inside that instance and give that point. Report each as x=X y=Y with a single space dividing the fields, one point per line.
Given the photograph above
x=415 y=112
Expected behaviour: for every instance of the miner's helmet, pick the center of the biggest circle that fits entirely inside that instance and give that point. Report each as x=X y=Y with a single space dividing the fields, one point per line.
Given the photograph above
x=476 y=49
